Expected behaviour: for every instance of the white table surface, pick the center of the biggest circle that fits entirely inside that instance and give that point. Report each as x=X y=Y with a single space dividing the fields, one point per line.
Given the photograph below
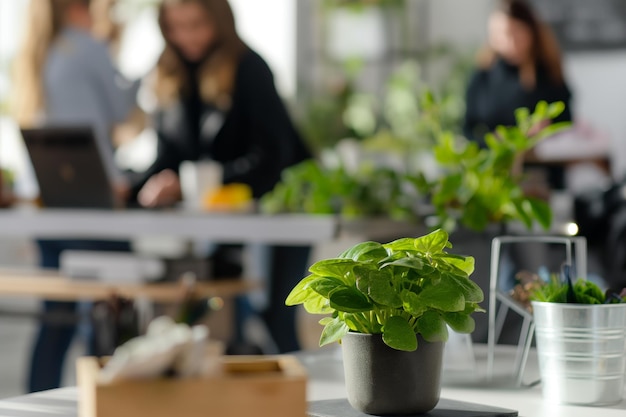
x=125 y=224
x=326 y=382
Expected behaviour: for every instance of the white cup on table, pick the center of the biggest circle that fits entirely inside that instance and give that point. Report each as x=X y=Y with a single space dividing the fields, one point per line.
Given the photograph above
x=197 y=178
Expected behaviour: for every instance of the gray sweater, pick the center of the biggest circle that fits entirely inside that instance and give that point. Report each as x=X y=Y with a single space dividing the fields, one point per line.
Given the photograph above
x=83 y=88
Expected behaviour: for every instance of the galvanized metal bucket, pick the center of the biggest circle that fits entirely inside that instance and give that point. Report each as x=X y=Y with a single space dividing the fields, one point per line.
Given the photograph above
x=582 y=352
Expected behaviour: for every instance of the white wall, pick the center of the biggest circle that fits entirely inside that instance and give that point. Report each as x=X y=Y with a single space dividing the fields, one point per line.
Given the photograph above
x=598 y=81
x=462 y=22
x=269 y=27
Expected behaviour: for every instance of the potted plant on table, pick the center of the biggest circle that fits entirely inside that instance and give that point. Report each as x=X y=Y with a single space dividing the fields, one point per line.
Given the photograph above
x=389 y=306
x=581 y=341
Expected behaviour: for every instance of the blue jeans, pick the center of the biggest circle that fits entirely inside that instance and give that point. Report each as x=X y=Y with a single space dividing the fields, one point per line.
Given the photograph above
x=59 y=323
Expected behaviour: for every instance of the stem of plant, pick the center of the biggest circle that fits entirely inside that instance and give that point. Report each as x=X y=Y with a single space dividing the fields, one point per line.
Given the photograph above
x=361 y=319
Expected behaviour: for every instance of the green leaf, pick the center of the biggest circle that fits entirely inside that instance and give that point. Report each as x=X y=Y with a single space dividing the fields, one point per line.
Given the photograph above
x=460 y=322
x=333 y=331
x=349 y=300
x=465 y=264
x=449 y=187
x=300 y=292
x=404 y=244
x=470 y=290
x=586 y=291
x=471 y=184
x=337 y=268
x=432 y=327
x=556 y=109
x=559 y=295
x=445 y=152
x=353 y=323
x=398 y=334
x=365 y=251
x=551 y=130
x=475 y=215
x=316 y=304
x=325 y=285
x=420 y=182
x=492 y=141
x=378 y=285
x=523 y=209
x=445 y=296
x=408 y=263
x=542 y=212
x=434 y=242
x=586 y=299
x=521 y=115
x=412 y=304
x=326 y=320
x=541 y=111
x=503 y=133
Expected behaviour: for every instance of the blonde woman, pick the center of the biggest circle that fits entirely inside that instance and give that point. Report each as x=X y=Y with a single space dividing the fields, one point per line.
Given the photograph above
x=64 y=76
x=217 y=100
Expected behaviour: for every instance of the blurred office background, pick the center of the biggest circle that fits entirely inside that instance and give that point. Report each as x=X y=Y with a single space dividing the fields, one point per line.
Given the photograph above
x=332 y=61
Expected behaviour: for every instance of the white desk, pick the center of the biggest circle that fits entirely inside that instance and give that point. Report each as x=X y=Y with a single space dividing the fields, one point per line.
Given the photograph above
x=285 y=229
x=326 y=382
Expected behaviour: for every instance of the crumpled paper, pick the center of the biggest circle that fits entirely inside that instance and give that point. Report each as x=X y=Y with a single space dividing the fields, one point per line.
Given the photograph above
x=166 y=347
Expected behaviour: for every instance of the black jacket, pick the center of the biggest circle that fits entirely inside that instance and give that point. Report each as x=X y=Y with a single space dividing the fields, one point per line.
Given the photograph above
x=255 y=140
x=494 y=94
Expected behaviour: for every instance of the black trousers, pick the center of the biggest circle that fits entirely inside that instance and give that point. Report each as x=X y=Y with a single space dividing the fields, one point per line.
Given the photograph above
x=288 y=266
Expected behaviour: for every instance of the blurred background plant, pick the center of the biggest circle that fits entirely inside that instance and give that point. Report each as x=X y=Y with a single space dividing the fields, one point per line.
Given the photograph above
x=473 y=187
x=403 y=118
x=479 y=187
x=371 y=66
x=369 y=191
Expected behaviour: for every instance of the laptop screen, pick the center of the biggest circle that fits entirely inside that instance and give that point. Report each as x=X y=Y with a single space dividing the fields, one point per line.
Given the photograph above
x=69 y=167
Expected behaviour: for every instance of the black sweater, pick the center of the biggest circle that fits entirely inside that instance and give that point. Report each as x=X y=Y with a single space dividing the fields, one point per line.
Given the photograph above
x=495 y=93
x=255 y=140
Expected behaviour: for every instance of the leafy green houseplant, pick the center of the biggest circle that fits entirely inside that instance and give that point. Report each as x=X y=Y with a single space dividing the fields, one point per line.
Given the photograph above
x=580 y=292
x=310 y=187
x=481 y=186
x=390 y=305
x=400 y=289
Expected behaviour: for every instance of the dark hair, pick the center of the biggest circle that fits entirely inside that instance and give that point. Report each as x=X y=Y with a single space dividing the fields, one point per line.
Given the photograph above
x=546 y=51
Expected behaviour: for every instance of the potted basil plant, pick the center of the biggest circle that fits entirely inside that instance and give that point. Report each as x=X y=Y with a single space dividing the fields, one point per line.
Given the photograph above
x=389 y=305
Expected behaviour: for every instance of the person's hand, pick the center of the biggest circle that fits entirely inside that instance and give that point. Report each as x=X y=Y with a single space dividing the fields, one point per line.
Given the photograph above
x=121 y=193
x=162 y=189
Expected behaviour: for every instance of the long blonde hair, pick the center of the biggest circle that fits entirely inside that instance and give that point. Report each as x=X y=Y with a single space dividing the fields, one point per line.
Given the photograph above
x=546 y=49
x=217 y=73
x=45 y=22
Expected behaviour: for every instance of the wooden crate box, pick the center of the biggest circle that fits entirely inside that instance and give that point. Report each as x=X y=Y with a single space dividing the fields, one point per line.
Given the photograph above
x=258 y=386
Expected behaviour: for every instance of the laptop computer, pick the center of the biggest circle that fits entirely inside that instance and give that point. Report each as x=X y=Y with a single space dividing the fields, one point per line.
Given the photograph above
x=69 y=168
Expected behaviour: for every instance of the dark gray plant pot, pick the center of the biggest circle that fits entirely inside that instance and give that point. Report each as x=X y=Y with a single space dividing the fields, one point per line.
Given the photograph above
x=384 y=381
